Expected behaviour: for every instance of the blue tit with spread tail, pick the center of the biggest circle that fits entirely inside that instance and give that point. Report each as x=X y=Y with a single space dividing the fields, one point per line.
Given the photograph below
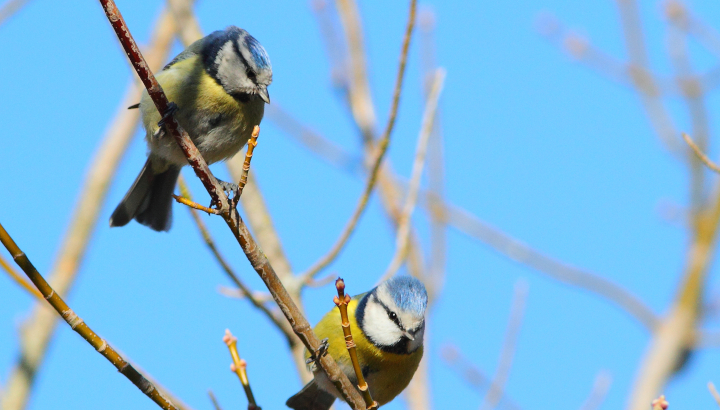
x=219 y=89
x=387 y=324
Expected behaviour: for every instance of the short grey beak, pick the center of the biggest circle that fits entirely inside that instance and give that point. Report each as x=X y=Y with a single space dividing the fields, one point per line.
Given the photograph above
x=263 y=93
x=408 y=335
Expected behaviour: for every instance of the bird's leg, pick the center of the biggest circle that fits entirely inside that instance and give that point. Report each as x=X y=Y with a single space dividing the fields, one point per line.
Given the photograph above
x=169 y=112
x=229 y=188
x=319 y=353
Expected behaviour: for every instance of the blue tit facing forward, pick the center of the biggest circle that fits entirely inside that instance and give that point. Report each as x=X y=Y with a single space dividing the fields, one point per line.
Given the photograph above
x=219 y=85
x=387 y=324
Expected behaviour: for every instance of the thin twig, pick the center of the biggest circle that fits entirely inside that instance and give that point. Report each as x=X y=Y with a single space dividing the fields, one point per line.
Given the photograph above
x=318 y=283
x=195 y=205
x=435 y=172
x=19 y=279
x=38 y=330
x=333 y=47
x=244 y=289
x=471 y=375
x=239 y=367
x=514 y=249
x=714 y=392
x=188 y=26
x=600 y=389
x=262 y=297
x=341 y=301
x=79 y=326
x=359 y=95
x=11 y=7
x=308 y=138
x=403 y=231
x=214 y=401
x=232 y=218
x=704 y=158
x=381 y=149
x=495 y=392
x=252 y=143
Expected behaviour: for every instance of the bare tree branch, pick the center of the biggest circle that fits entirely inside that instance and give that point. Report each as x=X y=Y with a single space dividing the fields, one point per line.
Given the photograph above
x=704 y=158
x=9 y=9
x=39 y=328
x=403 y=231
x=79 y=326
x=599 y=391
x=232 y=218
x=15 y=276
x=380 y=150
x=714 y=392
x=517 y=311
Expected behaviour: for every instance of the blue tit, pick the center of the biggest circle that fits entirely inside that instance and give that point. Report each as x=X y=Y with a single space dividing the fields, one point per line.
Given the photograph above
x=387 y=324
x=219 y=85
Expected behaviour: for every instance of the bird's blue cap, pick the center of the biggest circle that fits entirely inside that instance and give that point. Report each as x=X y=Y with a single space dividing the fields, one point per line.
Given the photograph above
x=408 y=293
x=258 y=52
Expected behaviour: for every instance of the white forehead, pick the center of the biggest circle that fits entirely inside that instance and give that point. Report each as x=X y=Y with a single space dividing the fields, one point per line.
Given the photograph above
x=408 y=319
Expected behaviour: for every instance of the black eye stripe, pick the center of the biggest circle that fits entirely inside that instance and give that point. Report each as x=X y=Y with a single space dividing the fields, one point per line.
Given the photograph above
x=392 y=315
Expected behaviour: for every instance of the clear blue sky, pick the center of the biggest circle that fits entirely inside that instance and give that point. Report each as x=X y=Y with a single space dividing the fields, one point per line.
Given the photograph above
x=541 y=147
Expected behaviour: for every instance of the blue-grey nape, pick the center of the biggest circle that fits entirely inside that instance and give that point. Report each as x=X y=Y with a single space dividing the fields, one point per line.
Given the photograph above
x=408 y=293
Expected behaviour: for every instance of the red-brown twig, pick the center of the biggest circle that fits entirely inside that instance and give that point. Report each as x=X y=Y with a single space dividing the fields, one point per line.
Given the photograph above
x=341 y=301
x=79 y=326
x=232 y=218
x=380 y=151
x=239 y=367
x=162 y=104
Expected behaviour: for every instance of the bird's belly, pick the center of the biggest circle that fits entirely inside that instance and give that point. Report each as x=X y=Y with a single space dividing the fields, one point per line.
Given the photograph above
x=218 y=134
x=385 y=385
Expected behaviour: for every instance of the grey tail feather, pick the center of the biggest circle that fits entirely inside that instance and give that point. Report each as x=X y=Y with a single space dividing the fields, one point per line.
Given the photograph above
x=311 y=397
x=149 y=200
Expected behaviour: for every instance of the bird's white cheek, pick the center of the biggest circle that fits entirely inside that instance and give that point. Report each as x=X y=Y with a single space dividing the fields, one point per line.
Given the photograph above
x=378 y=327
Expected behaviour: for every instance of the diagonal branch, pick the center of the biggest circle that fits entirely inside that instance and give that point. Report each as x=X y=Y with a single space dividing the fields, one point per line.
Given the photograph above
x=599 y=391
x=19 y=279
x=232 y=218
x=701 y=155
x=9 y=9
x=469 y=224
x=244 y=289
x=403 y=231
x=380 y=151
x=517 y=311
x=39 y=328
x=79 y=326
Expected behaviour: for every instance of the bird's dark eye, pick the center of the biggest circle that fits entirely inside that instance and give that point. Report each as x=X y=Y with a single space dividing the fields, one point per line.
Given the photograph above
x=392 y=316
x=250 y=74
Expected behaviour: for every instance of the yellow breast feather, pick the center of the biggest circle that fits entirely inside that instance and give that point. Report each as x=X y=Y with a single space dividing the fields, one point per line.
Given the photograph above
x=387 y=373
